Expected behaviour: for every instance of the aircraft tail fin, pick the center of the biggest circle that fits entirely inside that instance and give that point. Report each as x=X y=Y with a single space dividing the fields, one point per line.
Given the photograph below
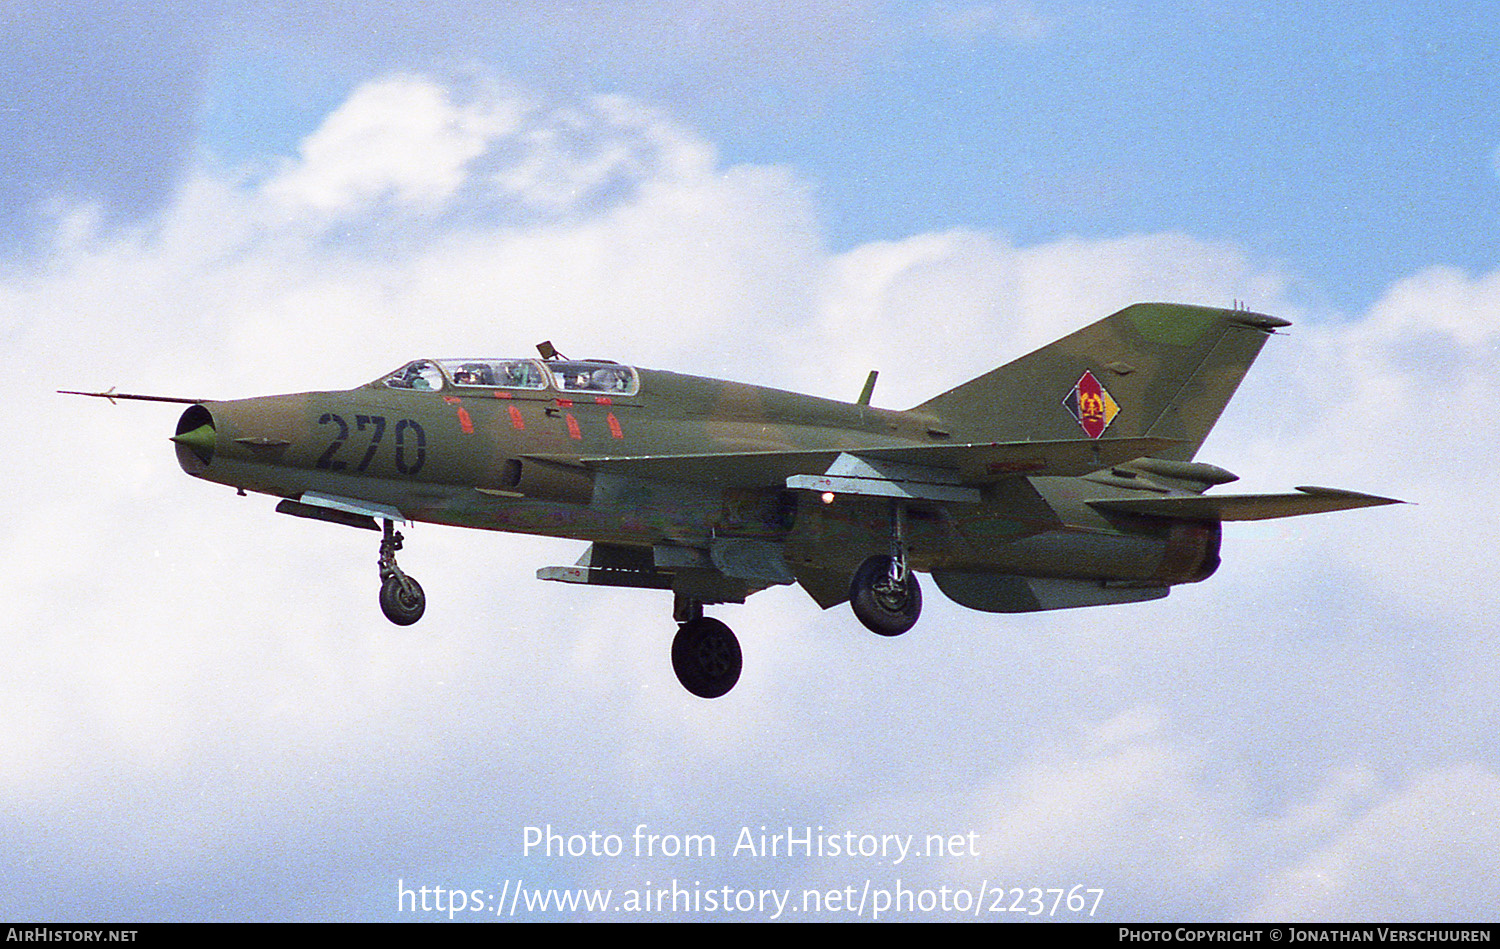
x=1159 y=370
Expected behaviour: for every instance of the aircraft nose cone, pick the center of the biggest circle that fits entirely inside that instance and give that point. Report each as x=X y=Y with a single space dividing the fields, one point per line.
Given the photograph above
x=200 y=439
x=195 y=438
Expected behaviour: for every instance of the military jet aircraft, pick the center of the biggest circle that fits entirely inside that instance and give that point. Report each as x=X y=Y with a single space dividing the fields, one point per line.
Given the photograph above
x=1062 y=479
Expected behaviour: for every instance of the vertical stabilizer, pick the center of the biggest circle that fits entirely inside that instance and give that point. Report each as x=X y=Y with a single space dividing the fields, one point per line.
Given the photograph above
x=1162 y=370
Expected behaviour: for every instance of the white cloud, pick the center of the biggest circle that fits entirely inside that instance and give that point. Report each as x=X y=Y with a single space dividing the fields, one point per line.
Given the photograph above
x=572 y=154
x=1425 y=854
x=1122 y=797
x=402 y=139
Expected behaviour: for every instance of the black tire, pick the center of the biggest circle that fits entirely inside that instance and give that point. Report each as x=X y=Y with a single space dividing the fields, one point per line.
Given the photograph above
x=402 y=603
x=883 y=607
x=706 y=657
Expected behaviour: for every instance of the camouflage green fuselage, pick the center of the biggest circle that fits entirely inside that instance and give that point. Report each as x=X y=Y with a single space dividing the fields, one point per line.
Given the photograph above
x=683 y=462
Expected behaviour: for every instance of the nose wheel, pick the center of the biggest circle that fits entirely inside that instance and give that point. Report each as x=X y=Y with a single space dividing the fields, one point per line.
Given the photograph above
x=401 y=597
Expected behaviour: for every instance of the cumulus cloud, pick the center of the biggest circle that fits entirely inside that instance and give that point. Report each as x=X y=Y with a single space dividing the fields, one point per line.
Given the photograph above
x=1113 y=807
x=194 y=669
x=402 y=139
x=407 y=145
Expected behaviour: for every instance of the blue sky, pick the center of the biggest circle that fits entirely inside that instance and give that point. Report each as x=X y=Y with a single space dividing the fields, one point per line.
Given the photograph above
x=1327 y=137
x=1350 y=144
x=213 y=199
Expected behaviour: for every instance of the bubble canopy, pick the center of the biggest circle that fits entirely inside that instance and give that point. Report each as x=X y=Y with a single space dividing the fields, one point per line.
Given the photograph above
x=597 y=377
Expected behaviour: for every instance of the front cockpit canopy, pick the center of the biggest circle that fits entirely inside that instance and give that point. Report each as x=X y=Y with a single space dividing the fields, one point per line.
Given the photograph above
x=585 y=376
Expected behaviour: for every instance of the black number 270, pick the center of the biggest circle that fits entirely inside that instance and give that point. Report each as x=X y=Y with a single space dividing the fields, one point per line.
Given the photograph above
x=410 y=438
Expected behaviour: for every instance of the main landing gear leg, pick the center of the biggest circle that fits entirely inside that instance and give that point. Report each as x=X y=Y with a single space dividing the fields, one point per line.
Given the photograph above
x=705 y=653
x=401 y=598
x=884 y=592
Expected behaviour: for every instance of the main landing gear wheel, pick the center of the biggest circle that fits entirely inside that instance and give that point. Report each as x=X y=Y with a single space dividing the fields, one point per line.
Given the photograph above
x=706 y=657
x=401 y=597
x=885 y=596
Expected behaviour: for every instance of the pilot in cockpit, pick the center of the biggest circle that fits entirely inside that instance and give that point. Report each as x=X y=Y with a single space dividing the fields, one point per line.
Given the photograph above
x=517 y=374
x=607 y=380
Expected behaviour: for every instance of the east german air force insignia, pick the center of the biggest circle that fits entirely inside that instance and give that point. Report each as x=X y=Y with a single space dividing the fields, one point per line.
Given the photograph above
x=1091 y=404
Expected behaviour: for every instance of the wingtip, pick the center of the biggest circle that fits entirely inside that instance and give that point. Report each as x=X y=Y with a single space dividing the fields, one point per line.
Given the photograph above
x=1364 y=500
x=1261 y=321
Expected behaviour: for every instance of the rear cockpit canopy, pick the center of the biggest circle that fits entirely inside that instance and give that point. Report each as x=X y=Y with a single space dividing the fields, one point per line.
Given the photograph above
x=592 y=376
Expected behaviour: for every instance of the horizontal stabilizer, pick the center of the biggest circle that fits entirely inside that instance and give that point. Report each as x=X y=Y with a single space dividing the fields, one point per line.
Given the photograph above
x=1245 y=507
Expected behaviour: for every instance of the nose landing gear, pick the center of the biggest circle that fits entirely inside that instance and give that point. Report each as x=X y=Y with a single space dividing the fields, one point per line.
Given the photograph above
x=401 y=597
